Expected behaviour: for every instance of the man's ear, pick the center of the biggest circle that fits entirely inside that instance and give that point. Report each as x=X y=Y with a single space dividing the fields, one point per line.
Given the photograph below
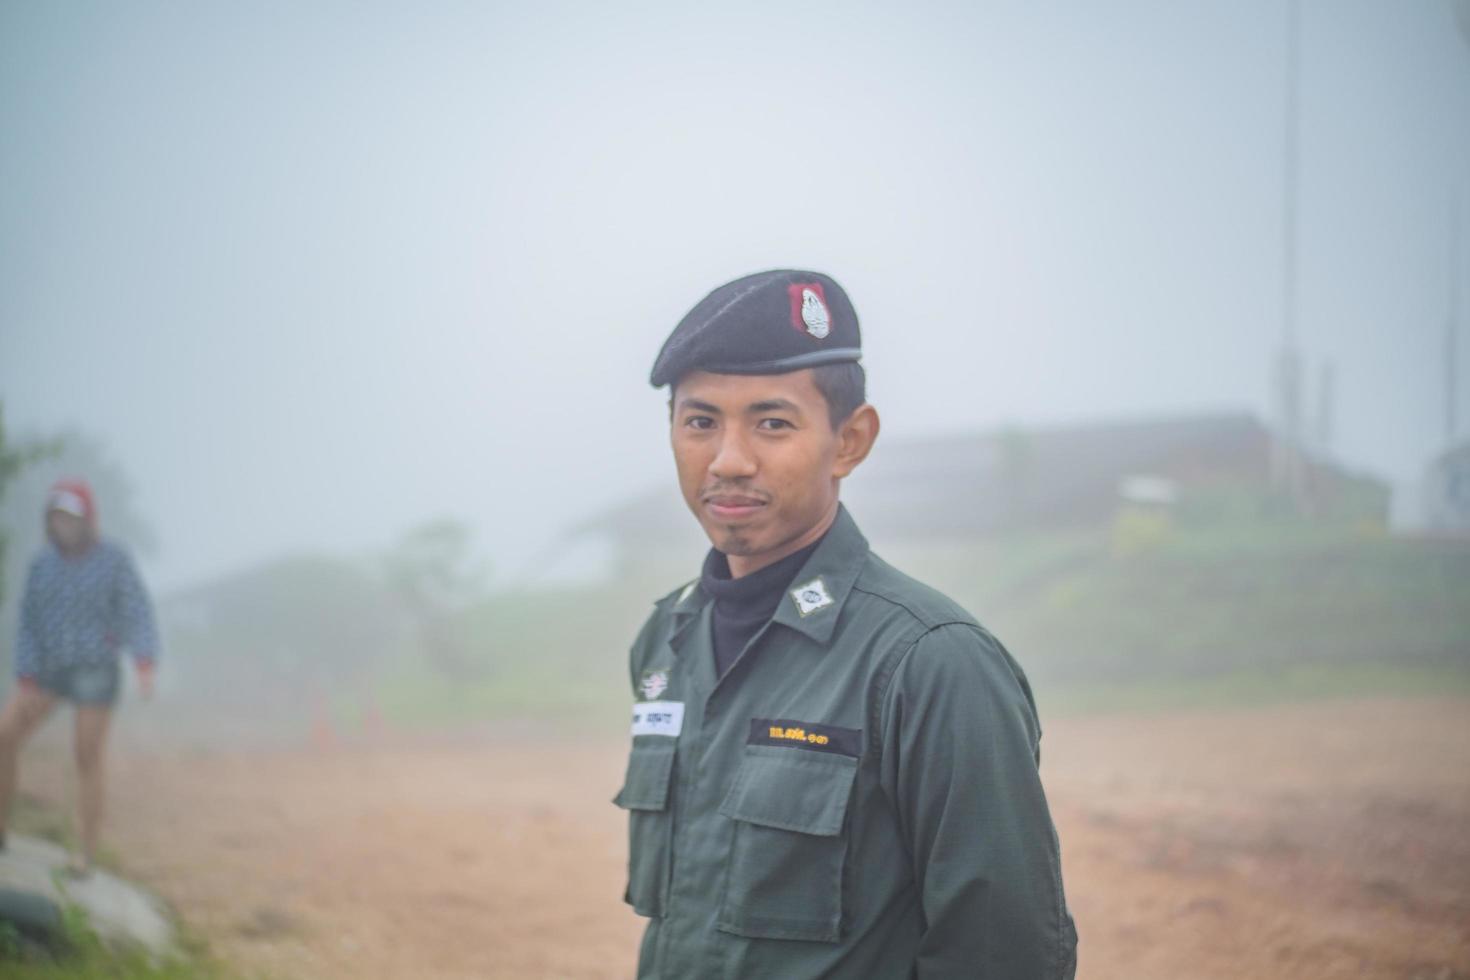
x=855 y=438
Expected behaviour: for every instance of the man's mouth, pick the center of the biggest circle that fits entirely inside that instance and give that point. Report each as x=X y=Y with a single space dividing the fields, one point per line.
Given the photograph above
x=732 y=506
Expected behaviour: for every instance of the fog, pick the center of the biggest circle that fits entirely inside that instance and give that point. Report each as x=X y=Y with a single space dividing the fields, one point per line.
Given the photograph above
x=347 y=311
x=316 y=273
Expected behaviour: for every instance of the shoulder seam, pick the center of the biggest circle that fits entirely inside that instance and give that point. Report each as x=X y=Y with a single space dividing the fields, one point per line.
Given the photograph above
x=924 y=621
x=884 y=677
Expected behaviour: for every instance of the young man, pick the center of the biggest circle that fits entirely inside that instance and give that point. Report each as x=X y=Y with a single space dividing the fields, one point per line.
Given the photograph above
x=83 y=603
x=834 y=767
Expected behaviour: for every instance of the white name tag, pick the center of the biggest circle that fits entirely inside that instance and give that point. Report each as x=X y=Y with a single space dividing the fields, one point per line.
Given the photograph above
x=658 y=718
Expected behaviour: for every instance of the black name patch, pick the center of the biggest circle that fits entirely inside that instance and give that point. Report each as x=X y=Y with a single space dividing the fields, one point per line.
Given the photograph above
x=805 y=735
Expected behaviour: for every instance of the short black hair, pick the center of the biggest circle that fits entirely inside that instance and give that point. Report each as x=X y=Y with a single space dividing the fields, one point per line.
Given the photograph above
x=845 y=387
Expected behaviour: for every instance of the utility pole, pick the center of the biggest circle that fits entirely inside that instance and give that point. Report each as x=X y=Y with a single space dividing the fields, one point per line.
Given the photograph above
x=1461 y=9
x=1326 y=406
x=1452 y=329
x=1286 y=468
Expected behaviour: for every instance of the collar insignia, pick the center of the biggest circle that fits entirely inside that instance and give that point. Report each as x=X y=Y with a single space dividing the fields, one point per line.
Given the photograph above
x=811 y=597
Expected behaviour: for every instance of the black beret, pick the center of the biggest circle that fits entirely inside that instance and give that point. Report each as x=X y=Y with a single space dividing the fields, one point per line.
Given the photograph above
x=768 y=323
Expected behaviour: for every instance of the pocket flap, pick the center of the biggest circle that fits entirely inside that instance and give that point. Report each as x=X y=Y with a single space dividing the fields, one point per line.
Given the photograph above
x=646 y=786
x=802 y=791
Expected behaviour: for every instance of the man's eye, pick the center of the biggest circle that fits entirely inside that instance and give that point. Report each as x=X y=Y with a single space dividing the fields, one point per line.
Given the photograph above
x=700 y=422
x=775 y=424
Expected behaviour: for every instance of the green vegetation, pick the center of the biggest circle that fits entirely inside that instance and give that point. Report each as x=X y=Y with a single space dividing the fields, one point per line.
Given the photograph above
x=1207 y=603
x=34 y=818
x=1256 y=687
x=1146 y=613
x=14 y=460
x=79 y=953
x=82 y=955
x=31 y=817
x=553 y=655
x=1227 y=599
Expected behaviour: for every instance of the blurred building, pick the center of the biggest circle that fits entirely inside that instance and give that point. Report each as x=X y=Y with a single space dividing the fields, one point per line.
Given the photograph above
x=1203 y=467
x=1446 y=490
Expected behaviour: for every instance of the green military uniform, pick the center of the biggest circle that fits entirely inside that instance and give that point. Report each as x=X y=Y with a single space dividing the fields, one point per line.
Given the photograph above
x=857 y=797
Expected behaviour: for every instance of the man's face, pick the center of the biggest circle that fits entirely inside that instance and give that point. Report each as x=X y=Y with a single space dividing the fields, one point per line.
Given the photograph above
x=68 y=530
x=758 y=461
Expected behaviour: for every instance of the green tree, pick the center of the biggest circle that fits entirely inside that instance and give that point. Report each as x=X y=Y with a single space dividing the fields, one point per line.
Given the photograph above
x=14 y=459
x=431 y=572
x=287 y=629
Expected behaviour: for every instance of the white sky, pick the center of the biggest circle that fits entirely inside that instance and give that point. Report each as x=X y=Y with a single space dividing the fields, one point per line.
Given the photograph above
x=317 y=272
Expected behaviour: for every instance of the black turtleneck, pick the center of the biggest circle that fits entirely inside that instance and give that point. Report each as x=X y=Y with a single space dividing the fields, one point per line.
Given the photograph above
x=743 y=605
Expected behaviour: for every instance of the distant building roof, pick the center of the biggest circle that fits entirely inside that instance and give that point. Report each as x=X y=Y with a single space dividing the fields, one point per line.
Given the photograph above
x=983 y=482
x=979 y=483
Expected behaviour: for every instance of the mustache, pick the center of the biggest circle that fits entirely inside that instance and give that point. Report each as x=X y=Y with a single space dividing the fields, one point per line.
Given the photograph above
x=733 y=490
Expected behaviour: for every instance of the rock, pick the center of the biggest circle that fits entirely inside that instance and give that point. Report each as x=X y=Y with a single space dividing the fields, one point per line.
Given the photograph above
x=118 y=910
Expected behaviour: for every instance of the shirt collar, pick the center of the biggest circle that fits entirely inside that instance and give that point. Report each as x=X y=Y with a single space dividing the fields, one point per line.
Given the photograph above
x=761 y=588
x=686 y=610
x=831 y=572
x=814 y=600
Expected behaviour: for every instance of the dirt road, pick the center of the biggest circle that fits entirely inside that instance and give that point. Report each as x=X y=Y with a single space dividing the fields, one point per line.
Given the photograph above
x=1314 y=841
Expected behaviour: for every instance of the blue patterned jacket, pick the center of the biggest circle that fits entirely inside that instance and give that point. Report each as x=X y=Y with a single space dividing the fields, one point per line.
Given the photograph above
x=83 y=610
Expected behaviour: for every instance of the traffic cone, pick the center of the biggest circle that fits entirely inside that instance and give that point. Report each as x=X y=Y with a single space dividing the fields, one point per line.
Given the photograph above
x=323 y=734
x=372 y=719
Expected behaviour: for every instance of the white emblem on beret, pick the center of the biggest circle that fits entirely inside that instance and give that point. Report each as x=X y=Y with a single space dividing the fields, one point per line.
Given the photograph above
x=811 y=597
x=814 y=315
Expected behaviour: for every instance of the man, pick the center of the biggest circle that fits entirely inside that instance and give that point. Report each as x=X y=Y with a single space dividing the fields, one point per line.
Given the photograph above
x=83 y=603
x=834 y=768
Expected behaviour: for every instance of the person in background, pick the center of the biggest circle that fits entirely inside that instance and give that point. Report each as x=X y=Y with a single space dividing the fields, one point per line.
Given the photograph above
x=84 y=603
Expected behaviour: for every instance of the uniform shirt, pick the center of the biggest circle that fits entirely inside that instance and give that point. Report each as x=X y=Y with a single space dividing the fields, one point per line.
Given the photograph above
x=743 y=605
x=82 y=610
x=857 y=797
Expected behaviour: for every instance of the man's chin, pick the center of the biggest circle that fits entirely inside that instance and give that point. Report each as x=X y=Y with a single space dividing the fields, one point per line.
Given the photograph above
x=731 y=539
x=733 y=544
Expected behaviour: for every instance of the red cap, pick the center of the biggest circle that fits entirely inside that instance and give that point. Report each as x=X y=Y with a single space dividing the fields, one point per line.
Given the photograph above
x=74 y=496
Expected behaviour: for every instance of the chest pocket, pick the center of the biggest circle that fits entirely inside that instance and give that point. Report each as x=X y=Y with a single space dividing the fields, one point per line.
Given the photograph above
x=645 y=795
x=788 y=852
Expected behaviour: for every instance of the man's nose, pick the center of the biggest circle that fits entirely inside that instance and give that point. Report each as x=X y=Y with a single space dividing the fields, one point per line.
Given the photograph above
x=734 y=460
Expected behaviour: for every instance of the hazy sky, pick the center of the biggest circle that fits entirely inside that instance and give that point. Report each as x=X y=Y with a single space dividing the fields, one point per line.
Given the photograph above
x=319 y=271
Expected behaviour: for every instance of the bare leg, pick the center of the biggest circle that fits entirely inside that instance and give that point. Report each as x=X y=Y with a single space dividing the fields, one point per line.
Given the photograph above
x=91 y=734
x=23 y=713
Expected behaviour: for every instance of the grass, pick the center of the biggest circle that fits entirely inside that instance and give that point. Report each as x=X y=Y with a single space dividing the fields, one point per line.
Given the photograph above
x=412 y=696
x=1258 y=687
x=32 y=816
x=1201 y=603
x=29 y=815
x=85 y=956
x=1139 y=614
x=81 y=954
x=556 y=656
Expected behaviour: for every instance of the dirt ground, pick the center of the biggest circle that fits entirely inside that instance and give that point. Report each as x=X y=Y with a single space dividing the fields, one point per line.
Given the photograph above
x=1327 y=840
